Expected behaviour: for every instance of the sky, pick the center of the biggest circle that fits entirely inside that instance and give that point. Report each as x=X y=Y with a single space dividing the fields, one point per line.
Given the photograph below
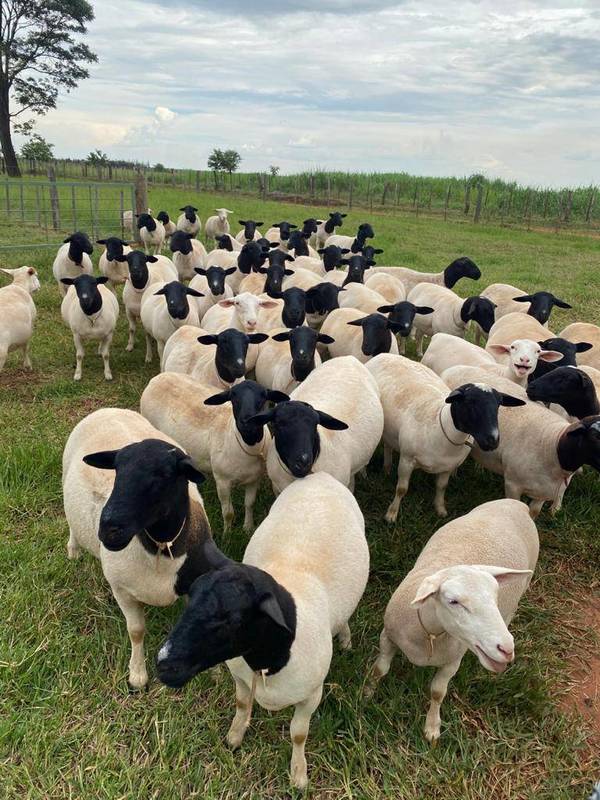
x=510 y=89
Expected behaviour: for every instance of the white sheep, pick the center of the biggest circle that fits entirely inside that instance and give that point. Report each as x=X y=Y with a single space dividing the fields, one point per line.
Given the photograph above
x=111 y=263
x=188 y=221
x=461 y=594
x=242 y=312
x=515 y=326
x=72 y=259
x=447 y=351
x=451 y=314
x=188 y=253
x=91 y=311
x=386 y=285
x=356 y=333
x=429 y=425
x=304 y=573
x=129 y=503
x=17 y=313
x=343 y=400
x=459 y=268
x=213 y=428
x=218 y=224
x=584 y=332
x=152 y=233
x=288 y=356
x=164 y=308
x=356 y=295
x=310 y=265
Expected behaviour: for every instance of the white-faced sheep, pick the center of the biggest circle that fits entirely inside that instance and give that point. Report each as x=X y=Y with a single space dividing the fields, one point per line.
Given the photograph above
x=429 y=425
x=131 y=500
x=111 y=261
x=91 y=311
x=288 y=357
x=152 y=233
x=164 y=308
x=221 y=438
x=188 y=253
x=17 y=313
x=189 y=221
x=304 y=572
x=218 y=224
x=242 y=312
x=461 y=594
x=73 y=259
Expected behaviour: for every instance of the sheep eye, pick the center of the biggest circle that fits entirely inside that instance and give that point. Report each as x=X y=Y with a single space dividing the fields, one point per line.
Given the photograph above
x=455 y=603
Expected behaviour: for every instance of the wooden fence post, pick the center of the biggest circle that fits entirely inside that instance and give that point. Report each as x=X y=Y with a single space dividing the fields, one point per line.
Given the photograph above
x=467 y=198
x=141 y=201
x=590 y=205
x=54 y=199
x=478 y=203
x=197 y=180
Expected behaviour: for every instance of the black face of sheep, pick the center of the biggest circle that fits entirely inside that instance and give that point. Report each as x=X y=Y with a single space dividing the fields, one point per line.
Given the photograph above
x=376 y=334
x=181 y=242
x=285 y=229
x=322 y=298
x=251 y=257
x=163 y=217
x=275 y=273
x=368 y=251
x=474 y=410
x=237 y=610
x=461 y=268
x=294 y=306
x=303 y=343
x=190 y=213
x=580 y=445
x=365 y=231
x=215 y=277
x=567 y=387
x=146 y=221
x=86 y=286
x=224 y=243
x=297 y=242
x=402 y=315
x=250 y=227
x=332 y=256
x=309 y=226
x=357 y=265
x=479 y=309
x=114 y=247
x=247 y=398
x=569 y=359
x=336 y=220
x=137 y=262
x=176 y=296
x=78 y=244
x=295 y=433
x=149 y=493
x=542 y=304
x=232 y=348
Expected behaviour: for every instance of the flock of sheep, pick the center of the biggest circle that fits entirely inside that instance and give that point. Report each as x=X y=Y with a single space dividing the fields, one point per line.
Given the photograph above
x=321 y=328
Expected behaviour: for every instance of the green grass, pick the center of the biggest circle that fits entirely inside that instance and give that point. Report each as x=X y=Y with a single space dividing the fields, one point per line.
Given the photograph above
x=70 y=729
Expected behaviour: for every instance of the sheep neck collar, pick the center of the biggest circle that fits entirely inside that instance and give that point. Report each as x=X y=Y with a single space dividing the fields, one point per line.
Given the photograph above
x=262 y=454
x=467 y=443
x=162 y=546
x=93 y=319
x=431 y=637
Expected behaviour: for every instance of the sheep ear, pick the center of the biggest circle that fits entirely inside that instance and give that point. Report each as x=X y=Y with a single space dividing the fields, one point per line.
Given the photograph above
x=241 y=221
x=498 y=349
x=525 y=298
x=67 y=281
x=288 y=257
x=217 y=399
x=378 y=250
x=333 y=424
x=102 y=279
x=276 y=397
x=257 y=338
x=371 y=263
x=423 y=310
x=323 y=338
x=509 y=401
x=321 y=250
x=189 y=236
x=273 y=244
x=104 y=459
x=581 y=347
x=357 y=322
x=163 y=290
x=193 y=292
x=269 y=606
x=68 y=239
x=560 y=303
x=502 y=574
x=152 y=259
x=281 y=337
x=456 y=394
x=345 y=250
x=343 y=215
x=292 y=225
x=208 y=338
x=230 y=271
x=201 y=270
x=264 y=418
x=289 y=272
x=385 y=309
x=187 y=469
x=228 y=303
x=258 y=224
x=429 y=586
x=102 y=241
x=550 y=355
x=268 y=304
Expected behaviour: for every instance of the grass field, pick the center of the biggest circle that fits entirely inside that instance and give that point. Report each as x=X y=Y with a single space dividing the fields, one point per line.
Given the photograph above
x=69 y=727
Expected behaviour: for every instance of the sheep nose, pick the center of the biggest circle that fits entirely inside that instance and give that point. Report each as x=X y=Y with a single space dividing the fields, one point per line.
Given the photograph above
x=251 y=324
x=525 y=361
x=509 y=655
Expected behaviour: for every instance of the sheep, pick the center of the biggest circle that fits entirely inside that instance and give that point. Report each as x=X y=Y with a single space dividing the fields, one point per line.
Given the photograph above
x=250 y=231
x=212 y=283
x=568 y=387
x=189 y=352
x=508 y=299
x=355 y=273
x=252 y=256
x=188 y=253
x=242 y=312
x=280 y=232
x=188 y=221
x=143 y=519
x=593 y=374
x=538 y=451
x=461 y=267
x=298 y=245
x=387 y=286
x=218 y=224
x=164 y=308
x=152 y=233
x=446 y=351
x=430 y=425
x=302 y=279
x=143 y=271
x=402 y=316
x=585 y=332
x=128 y=216
x=570 y=354
x=168 y=224
x=326 y=227
x=321 y=299
x=359 y=334
x=357 y=296
x=461 y=594
x=288 y=357
x=17 y=313
x=304 y=572
x=451 y=314
x=353 y=243
x=222 y=258
x=111 y=263
x=221 y=439
x=290 y=313
x=227 y=242
x=515 y=326
x=342 y=398
x=73 y=259
x=91 y=311
x=276 y=272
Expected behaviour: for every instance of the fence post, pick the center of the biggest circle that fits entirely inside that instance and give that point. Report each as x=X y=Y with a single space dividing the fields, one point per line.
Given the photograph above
x=568 y=206
x=416 y=194
x=22 y=202
x=447 y=200
x=141 y=201
x=478 y=203
x=54 y=199
x=198 y=180
x=467 y=198
x=74 y=208
x=590 y=205
x=7 y=188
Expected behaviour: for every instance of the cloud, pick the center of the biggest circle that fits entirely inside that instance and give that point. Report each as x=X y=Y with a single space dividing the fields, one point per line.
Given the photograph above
x=427 y=87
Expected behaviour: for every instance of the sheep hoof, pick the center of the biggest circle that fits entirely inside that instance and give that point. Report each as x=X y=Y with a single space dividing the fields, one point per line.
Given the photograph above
x=235 y=738
x=432 y=735
x=299 y=777
x=73 y=552
x=390 y=517
x=138 y=681
x=129 y=348
x=441 y=512
x=369 y=690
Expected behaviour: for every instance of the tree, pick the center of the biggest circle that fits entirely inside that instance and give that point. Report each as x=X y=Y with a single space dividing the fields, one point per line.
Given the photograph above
x=274 y=170
x=39 y=55
x=215 y=163
x=37 y=149
x=231 y=160
x=97 y=158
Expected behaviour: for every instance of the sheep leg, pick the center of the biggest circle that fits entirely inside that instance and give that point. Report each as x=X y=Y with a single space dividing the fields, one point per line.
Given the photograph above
x=249 y=500
x=441 y=482
x=27 y=355
x=405 y=469
x=344 y=637
x=73 y=549
x=511 y=489
x=535 y=506
x=352 y=483
x=148 y=358
x=401 y=345
x=388 y=458
x=3 y=354
x=478 y=336
x=387 y=651
x=133 y=612
x=105 y=353
x=243 y=713
x=299 y=731
x=439 y=687
x=419 y=342
x=131 y=323
x=557 y=504
x=79 y=354
x=224 y=493
x=160 y=346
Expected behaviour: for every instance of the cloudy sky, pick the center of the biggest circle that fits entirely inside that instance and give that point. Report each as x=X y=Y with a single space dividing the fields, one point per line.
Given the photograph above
x=431 y=87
